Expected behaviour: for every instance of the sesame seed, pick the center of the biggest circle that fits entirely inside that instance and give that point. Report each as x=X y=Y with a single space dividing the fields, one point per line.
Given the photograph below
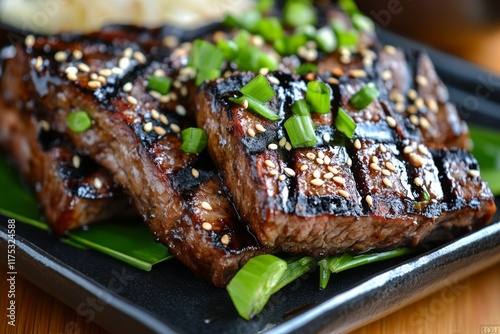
x=338 y=72
x=317 y=182
x=387 y=182
x=339 y=180
x=418 y=182
x=195 y=172
x=148 y=127
x=282 y=177
x=84 y=67
x=124 y=63
x=316 y=174
x=357 y=144
x=93 y=76
x=251 y=132
x=374 y=159
x=415 y=160
x=304 y=167
x=29 y=41
x=399 y=107
x=375 y=167
x=184 y=91
x=382 y=148
x=139 y=56
x=310 y=76
x=225 y=239
x=432 y=104
x=424 y=123
x=244 y=104
x=259 y=128
x=264 y=71
x=288 y=146
x=60 y=56
x=390 y=166
x=421 y=80
x=282 y=142
x=97 y=183
x=332 y=81
x=101 y=79
x=38 y=62
x=390 y=49
x=408 y=149
x=419 y=103
x=412 y=110
x=369 y=200
x=162 y=98
x=155 y=114
x=94 y=84
x=397 y=96
x=175 y=128
x=320 y=161
x=349 y=162
x=386 y=172
x=170 y=41
x=159 y=130
x=132 y=100
x=117 y=70
x=423 y=149
x=344 y=59
x=163 y=119
x=391 y=121
x=270 y=164
x=310 y=156
x=72 y=76
x=206 y=206
x=386 y=75
x=105 y=72
x=321 y=155
x=71 y=69
x=473 y=172
x=206 y=226
x=44 y=125
x=357 y=73
x=333 y=170
x=127 y=88
x=327 y=160
x=328 y=175
x=76 y=161
x=289 y=171
x=344 y=193
x=128 y=52
x=77 y=54
x=273 y=80
x=273 y=172
x=345 y=51
x=414 y=120
x=272 y=146
x=180 y=110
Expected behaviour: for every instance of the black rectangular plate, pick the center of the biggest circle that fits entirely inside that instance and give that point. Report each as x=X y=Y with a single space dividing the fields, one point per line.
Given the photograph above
x=170 y=298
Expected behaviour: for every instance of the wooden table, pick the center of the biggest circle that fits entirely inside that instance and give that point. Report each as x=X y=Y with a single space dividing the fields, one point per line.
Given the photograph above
x=464 y=307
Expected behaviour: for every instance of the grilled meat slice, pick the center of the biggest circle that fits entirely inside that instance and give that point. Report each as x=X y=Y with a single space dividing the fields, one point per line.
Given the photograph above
x=382 y=189
x=135 y=135
x=71 y=189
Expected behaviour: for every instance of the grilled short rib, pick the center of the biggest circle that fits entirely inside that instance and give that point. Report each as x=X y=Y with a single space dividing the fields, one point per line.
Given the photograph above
x=71 y=189
x=135 y=135
x=385 y=188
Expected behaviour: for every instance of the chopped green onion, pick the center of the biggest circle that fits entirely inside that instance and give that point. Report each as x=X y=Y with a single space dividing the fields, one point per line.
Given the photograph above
x=344 y=123
x=298 y=13
x=362 y=22
x=203 y=75
x=289 y=45
x=338 y=263
x=256 y=106
x=308 y=30
x=207 y=59
x=254 y=283
x=258 y=88
x=194 y=140
x=159 y=84
x=270 y=29
x=300 y=130
x=296 y=267
x=301 y=108
x=79 y=121
x=250 y=58
x=228 y=48
x=318 y=96
x=324 y=273
x=306 y=68
x=364 y=96
x=427 y=196
x=264 y=5
x=248 y=21
x=326 y=40
x=349 y=6
x=347 y=38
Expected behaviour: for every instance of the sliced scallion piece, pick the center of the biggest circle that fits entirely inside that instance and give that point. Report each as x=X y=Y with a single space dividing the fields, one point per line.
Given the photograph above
x=362 y=22
x=254 y=283
x=324 y=273
x=270 y=29
x=349 y=6
x=301 y=108
x=256 y=106
x=326 y=40
x=248 y=21
x=289 y=45
x=364 y=96
x=300 y=130
x=338 y=263
x=306 y=68
x=228 y=48
x=298 y=13
x=264 y=5
x=344 y=123
x=296 y=267
x=207 y=59
x=347 y=38
x=79 y=121
x=159 y=84
x=258 y=88
x=318 y=96
x=194 y=140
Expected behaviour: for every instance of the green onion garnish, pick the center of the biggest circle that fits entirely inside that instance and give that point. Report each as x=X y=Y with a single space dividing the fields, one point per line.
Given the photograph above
x=298 y=13
x=159 y=84
x=326 y=40
x=270 y=29
x=306 y=68
x=289 y=45
x=79 y=121
x=427 y=196
x=364 y=96
x=362 y=22
x=207 y=59
x=264 y=5
x=300 y=130
x=194 y=140
x=228 y=48
x=347 y=38
x=301 y=108
x=318 y=96
x=338 y=263
x=248 y=21
x=256 y=106
x=258 y=88
x=344 y=123
x=324 y=273
x=296 y=267
x=349 y=6
x=254 y=283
